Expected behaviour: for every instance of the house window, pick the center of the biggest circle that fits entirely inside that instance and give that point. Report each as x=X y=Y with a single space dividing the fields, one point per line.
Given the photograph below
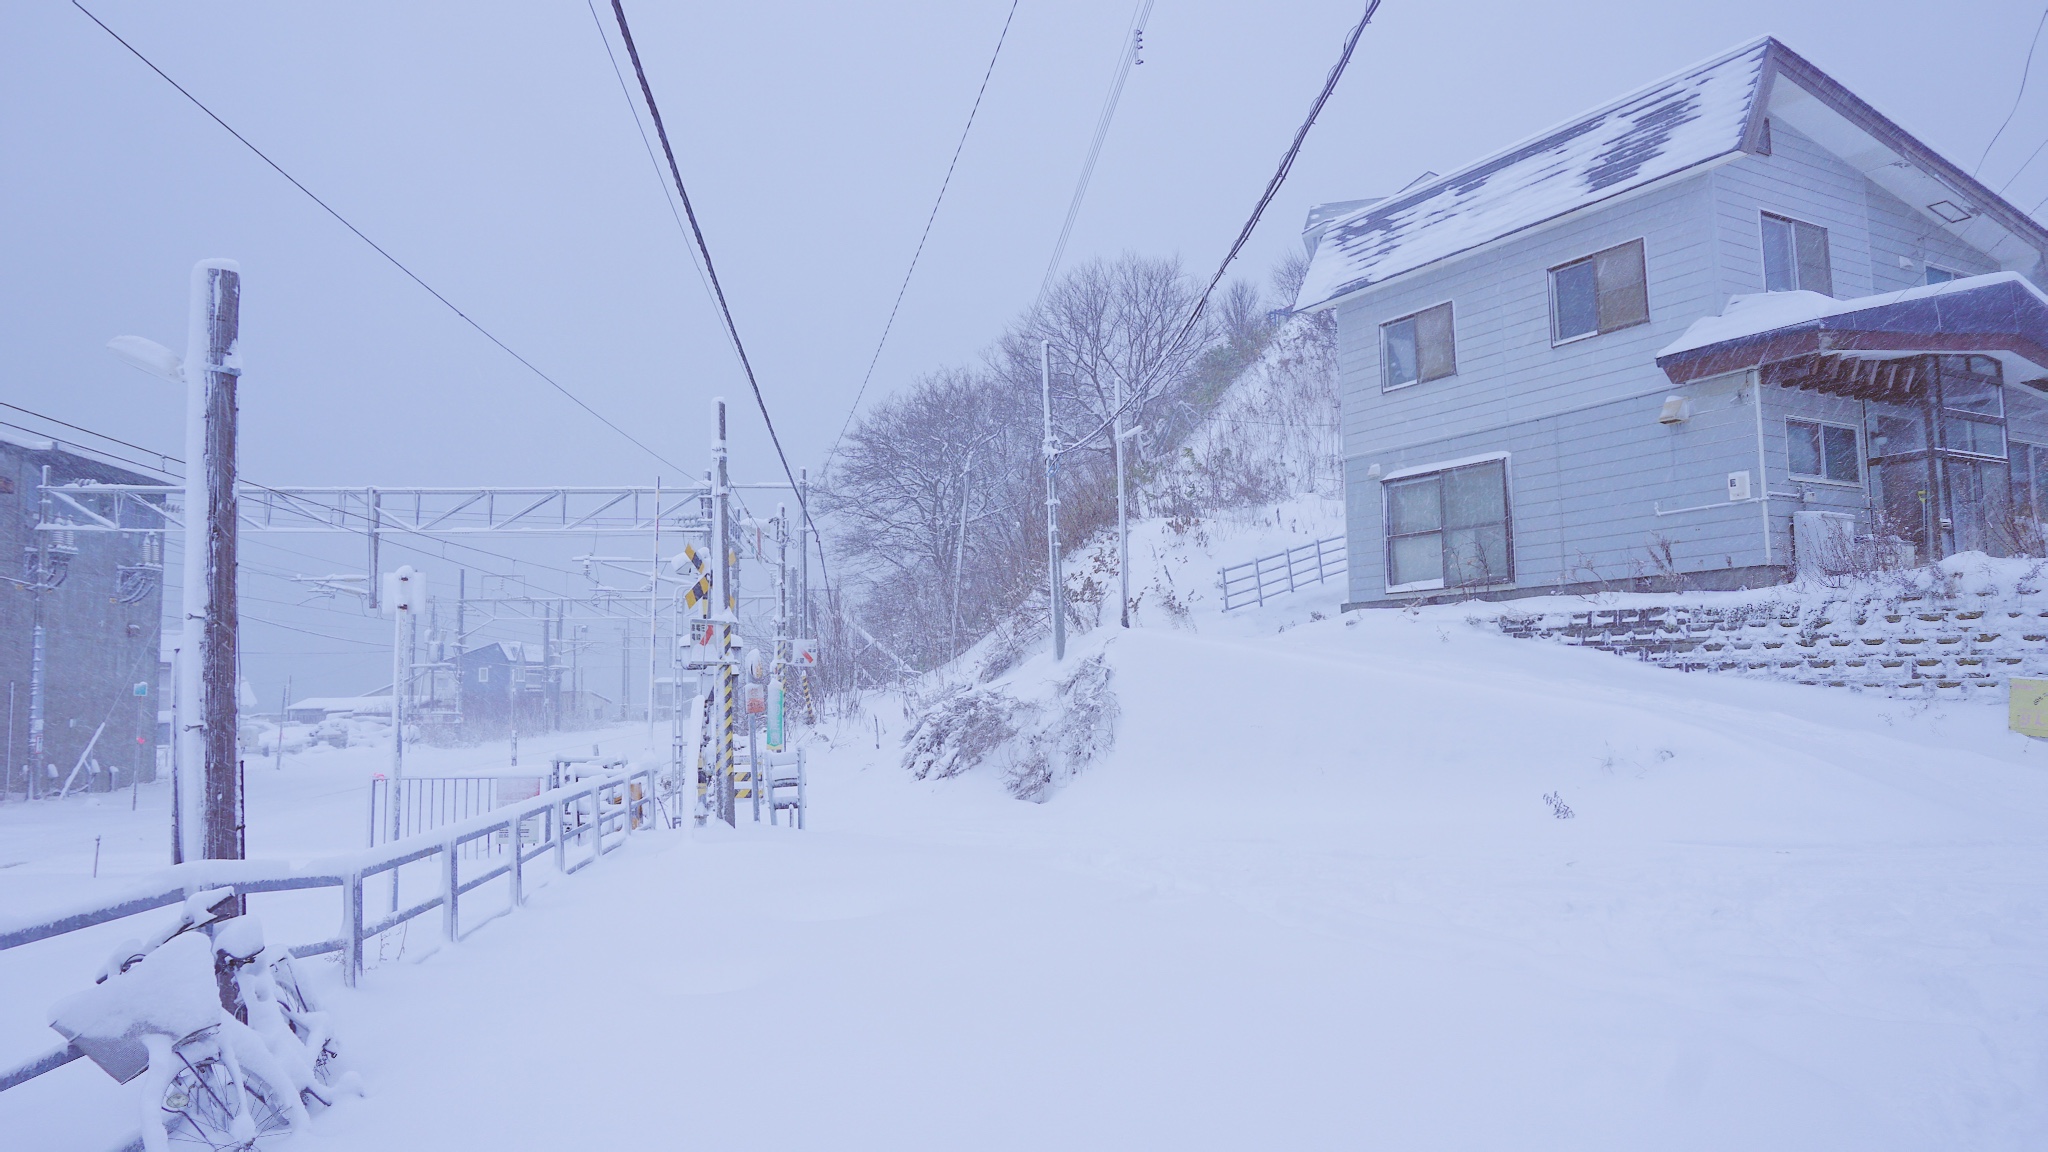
x=1796 y=257
x=1941 y=275
x=1419 y=348
x=1823 y=451
x=483 y=675
x=2030 y=479
x=1598 y=294
x=1449 y=528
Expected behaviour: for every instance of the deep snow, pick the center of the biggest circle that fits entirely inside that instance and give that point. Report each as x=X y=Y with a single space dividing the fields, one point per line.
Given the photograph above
x=1315 y=897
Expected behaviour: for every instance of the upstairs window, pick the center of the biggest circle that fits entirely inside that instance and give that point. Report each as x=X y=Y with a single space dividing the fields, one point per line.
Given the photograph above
x=1936 y=275
x=1449 y=528
x=1796 y=257
x=1419 y=348
x=1823 y=451
x=1600 y=293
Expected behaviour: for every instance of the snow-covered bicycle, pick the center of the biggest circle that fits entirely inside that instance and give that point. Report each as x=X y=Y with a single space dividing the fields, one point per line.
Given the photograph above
x=209 y=1078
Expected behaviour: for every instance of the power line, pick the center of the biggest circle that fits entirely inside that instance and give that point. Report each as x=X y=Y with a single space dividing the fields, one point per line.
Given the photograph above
x=2025 y=69
x=395 y=262
x=926 y=235
x=711 y=270
x=1128 y=57
x=660 y=181
x=1258 y=210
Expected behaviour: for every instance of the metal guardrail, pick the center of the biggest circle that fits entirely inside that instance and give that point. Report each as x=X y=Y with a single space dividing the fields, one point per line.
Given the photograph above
x=579 y=812
x=1255 y=579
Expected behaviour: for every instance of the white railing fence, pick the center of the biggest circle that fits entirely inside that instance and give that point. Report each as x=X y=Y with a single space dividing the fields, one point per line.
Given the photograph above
x=595 y=814
x=1262 y=576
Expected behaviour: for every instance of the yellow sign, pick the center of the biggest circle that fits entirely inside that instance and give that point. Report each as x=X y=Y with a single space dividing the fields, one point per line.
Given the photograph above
x=2028 y=706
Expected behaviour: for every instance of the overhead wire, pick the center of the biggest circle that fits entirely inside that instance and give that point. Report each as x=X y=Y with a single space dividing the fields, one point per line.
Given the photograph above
x=1244 y=234
x=1127 y=57
x=711 y=271
x=2025 y=70
x=889 y=324
x=378 y=248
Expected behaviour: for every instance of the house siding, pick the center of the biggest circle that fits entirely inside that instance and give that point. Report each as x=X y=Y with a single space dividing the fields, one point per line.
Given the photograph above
x=1600 y=491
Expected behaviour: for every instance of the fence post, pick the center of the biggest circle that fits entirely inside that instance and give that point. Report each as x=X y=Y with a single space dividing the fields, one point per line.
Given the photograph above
x=1259 y=579
x=518 y=862
x=802 y=783
x=352 y=927
x=448 y=924
x=558 y=815
x=1287 y=556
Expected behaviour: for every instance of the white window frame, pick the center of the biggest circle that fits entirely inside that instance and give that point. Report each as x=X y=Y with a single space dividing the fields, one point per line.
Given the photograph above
x=1762 y=245
x=1386 y=324
x=1408 y=473
x=483 y=673
x=1862 y=459
x=1550 y=292
x=1930 y=266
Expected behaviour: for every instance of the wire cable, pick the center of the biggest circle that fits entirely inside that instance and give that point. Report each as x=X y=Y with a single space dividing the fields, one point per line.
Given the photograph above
x=1127 y=57
x=380 y=250
x=2025 y=70
x=1258 y=210
x=926 y=235
x=711 y=270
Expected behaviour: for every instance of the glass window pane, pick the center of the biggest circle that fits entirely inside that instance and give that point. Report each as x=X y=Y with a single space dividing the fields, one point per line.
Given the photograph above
x=1575 y=300
x=1414 y=559
x=1475 y=495
x=1400 y=352
x=1476 y=555
x=1896 y=430
x=1839 y=449
x=1435 y=353
x=2038 y=458
x=1815 y=272
x=1971 y=394
x=1779 y=274
x=1415 y=505
x=1624 y=297
x=1802 y=444
x=1939 y=275
x=1973 y=436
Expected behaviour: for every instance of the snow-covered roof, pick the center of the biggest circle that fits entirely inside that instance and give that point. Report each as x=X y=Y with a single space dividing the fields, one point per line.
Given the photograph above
x=2002 y=314
x=1698 y=116
x=1672 y=125
x=342 y=704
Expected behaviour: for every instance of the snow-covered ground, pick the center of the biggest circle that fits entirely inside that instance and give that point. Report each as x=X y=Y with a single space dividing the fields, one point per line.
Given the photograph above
x=1315 y=897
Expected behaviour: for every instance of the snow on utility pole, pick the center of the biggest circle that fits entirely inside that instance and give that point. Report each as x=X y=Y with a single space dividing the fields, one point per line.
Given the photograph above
x=206 y=791
x=404 y=590
x=1123 y=519
x=960 y=547
x=211 y=372
x=654 y=613
x=725 y=620
x=1052 y=505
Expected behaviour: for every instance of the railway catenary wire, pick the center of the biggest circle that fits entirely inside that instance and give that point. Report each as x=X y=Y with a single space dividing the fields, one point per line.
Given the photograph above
x=378 y=248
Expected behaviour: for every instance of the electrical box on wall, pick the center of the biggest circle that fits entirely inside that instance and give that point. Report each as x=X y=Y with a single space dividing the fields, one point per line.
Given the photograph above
x=1738 y=485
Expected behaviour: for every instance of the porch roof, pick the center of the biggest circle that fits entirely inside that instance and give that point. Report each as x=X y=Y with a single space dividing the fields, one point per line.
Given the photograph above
x=2001 y=315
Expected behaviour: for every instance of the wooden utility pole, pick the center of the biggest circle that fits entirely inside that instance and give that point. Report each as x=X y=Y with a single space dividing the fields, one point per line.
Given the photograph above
x=217 y=296
x=1055 y=592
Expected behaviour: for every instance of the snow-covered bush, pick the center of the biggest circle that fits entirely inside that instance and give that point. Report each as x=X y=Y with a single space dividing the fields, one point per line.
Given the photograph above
x=1037 y=744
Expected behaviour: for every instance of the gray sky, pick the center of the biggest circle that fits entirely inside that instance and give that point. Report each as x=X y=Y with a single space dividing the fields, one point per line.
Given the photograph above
x=489 y=146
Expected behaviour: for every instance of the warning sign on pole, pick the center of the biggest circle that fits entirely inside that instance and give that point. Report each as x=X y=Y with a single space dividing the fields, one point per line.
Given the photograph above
x=806 y=652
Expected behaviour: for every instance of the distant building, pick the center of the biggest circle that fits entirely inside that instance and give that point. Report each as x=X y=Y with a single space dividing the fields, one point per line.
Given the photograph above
x=99 y=599
x=1704 y=337
x=314 y=709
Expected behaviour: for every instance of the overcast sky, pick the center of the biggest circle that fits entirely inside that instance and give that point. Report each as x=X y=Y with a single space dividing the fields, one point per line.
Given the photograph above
x=489 y=147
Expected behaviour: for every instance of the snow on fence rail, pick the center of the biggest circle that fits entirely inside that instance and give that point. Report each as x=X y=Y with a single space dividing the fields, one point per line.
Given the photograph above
x=1252 y=581
x=578 y=811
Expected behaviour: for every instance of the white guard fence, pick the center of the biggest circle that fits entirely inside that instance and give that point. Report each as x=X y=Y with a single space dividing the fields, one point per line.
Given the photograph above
x=415 y=805
x=585 y=817
x=1262 y=576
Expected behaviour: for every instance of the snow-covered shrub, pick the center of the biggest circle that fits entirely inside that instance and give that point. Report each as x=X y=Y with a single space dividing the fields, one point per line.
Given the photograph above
x=1035 y=744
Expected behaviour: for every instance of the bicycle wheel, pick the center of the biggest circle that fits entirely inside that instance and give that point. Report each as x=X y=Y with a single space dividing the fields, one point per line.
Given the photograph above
x=199 y=1106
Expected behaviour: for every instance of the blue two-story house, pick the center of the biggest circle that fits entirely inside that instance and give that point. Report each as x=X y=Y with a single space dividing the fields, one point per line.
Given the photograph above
x=1685 y=340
